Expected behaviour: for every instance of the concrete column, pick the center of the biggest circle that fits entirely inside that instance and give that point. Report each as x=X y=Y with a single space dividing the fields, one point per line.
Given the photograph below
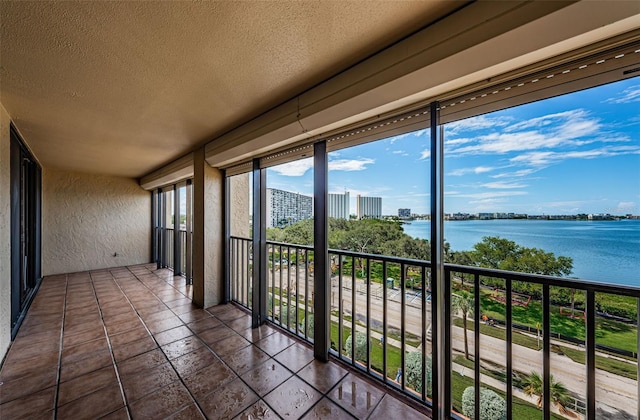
x=208 y=233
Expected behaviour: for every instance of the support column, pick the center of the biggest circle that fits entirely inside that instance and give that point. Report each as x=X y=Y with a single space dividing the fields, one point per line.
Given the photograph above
x=440 y=290
x=208 y=233
x=321 y=282
x=259 y=238
x=177 y=243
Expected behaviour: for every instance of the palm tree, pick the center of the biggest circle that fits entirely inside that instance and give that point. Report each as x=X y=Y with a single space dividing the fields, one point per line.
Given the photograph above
x=534 y=385
x=464 y=302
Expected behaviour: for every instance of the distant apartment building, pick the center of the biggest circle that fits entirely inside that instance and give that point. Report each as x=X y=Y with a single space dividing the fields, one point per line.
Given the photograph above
x=404 y=213
x=339 y=206
x=286 y=208
x=368 y=207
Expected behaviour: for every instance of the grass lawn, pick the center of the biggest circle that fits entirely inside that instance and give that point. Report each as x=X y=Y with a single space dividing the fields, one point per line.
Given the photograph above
x=608 y=364
x=497 y=332
x=608 y=332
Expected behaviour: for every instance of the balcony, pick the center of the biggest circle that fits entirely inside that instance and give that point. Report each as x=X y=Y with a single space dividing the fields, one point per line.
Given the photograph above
x=128 y=343
x=589 y=352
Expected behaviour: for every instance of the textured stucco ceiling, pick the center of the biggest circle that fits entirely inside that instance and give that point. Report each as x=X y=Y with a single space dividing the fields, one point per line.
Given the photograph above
x=122 y=88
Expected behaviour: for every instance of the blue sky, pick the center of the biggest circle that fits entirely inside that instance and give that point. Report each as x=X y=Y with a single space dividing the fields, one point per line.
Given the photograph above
x=577 y=153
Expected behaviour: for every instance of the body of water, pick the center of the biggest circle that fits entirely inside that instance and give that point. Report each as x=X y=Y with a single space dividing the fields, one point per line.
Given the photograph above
x=602 y=251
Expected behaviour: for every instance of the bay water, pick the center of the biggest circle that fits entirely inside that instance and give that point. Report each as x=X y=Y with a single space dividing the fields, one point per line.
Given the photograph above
x=606 y=251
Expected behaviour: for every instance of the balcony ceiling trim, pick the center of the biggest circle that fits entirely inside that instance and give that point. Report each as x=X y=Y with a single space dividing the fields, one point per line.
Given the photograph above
x=178 y=170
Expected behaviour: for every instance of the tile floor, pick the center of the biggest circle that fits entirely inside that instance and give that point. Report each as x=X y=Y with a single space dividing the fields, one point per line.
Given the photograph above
x=127 y=343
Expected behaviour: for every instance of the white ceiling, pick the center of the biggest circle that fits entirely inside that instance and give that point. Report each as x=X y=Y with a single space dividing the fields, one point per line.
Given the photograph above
x=122 y=88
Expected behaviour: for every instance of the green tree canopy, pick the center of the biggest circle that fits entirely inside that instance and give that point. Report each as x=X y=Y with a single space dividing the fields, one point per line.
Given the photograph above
x=503 y=254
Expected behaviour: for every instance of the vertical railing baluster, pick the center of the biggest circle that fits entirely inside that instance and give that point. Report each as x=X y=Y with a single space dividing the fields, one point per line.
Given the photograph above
x=340 y=308
x=423 y=276
x=243 y=292
x=638 y=357
x=403 y=315
x=297 y=251
x=546 y=336
x=353 y=311
x=508 y=325
x=306 y=294
x=288 y=286
x=280 y=276
x=368 y=297
x=476 y=344
x=591 y=354
x=384 y=321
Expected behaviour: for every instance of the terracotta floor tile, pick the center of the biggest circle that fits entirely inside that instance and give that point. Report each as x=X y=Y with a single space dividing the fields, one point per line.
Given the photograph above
x=192 y=362
x=390 y=407
x=161 y=403
x=94 y=361
x=209 y=379
x=293 y=398
x=120 y=414
x=326 y=409
x=178 y=302
x=172 y=335
x=30 y=384
x=16 y=368
x=229 y=345
x=322 y=376
x=195 y=315
x=245 y=359
x=83 y=350
x=259 y=410
x=141 y=362
x=226 y=405
x=182 y=347
x=295 y=357
x=22 y=351
x=256 y=334
x=356 y=396
x=164 y=324
x=149 y=380
x=83 y=337
x=227 y=313
x=265 y=377
x=216 y=334
x=204 y=324
x=123 y=326
x=275 y=343
x=133 y=348
x=85 y=384
x=158 y=316
x=137 y=333
x=94 y=405
x=30 y=406
x=82 y=327
x=183 y=309
x=190 y=412
x=240 y=324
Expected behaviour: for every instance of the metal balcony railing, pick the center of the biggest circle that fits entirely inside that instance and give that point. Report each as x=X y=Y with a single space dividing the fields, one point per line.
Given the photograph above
x=504 y=328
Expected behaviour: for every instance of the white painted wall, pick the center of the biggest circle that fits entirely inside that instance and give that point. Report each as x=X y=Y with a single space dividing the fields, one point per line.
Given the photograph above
x=87 y=218
x=5 y=234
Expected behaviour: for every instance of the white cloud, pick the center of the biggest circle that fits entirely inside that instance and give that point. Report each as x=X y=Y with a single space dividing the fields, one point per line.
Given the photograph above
x=418 y=133
x=503 y=185
x=492 y=194
x=398 y=152
x=547 y=158
x=625 y=207
x=515 y=174
x=350 y=164
x=476 y=170
x=425 y=154
x=629 y=95
x=295 y=168
x=480 y=122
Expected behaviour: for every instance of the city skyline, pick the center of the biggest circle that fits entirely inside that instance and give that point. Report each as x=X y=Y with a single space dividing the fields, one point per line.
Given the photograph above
x=576 y=153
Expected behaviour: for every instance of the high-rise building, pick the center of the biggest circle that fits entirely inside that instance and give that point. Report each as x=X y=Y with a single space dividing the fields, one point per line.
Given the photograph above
x=404 y=212
x=369 y=207
x=286 y=208
x=339 y=206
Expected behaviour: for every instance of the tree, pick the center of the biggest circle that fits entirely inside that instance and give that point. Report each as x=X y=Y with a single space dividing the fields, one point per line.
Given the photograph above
x=361 y=346
x=413 y=372
x=492 y=405
x=461 y=258
x=464 y=303
x=534 y=385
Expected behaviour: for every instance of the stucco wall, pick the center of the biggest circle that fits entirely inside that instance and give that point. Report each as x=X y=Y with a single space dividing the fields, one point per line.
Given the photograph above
x=5 y=234
x=239 y=206
x=86 y=219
